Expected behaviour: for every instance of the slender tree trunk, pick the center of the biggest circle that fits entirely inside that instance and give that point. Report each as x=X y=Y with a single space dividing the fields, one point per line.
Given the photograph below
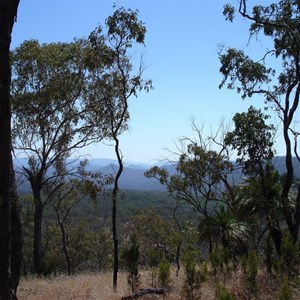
x=64 y=237
x=115 y=240
x=8 y=11
x=292 y=219
x=37 y=240
x=114 y=215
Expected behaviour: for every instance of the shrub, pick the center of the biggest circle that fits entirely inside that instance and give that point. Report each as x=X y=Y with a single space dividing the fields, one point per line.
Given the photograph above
x=250 y=266
x=193 y=277
x=164 y=274
x=223 y=294
x=131 y=259
x=285 y=292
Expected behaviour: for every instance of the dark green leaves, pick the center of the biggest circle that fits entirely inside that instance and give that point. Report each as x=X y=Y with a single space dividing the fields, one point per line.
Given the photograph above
x=242 y=73
x=252 y=138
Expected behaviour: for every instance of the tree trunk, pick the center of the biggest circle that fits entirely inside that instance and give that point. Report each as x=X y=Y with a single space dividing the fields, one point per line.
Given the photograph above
x=114 y=215
x=276 y=237
x=16 y=242
x=37 y=240
x=64 y=237
x=8 y=11
x=115 y=240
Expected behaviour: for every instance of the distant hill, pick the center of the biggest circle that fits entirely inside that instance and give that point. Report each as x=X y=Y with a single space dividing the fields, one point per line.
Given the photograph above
x=279 y=164
x=133 y=175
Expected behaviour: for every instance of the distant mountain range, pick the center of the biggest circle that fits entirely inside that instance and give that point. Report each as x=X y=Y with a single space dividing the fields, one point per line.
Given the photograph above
x=133 y=175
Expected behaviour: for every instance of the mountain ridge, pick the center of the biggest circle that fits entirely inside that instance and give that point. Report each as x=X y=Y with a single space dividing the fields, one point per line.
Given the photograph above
x=133 y=174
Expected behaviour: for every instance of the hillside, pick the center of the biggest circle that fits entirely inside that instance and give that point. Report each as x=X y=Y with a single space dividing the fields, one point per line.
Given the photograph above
x=133 y=175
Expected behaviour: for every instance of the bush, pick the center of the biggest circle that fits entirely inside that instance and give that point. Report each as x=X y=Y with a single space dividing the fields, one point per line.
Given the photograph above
x=285 y=292
x=131 y=257
x=250 y=266
x=154 y=257
x=223 y=294
x=164 y=274
x=194 y=277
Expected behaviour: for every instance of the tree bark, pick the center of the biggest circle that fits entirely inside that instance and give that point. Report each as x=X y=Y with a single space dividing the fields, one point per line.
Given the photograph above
x=16 y=242
x=64 y=237
x=37 y=241
x=8 y=12
x=114 y=214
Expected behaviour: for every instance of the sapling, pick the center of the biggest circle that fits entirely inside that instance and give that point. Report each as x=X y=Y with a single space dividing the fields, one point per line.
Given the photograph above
x=131 y=257
x=164 y=274
x=194 y=277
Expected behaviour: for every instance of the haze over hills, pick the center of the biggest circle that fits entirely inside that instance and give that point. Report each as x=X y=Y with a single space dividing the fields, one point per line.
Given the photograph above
x=133 y=175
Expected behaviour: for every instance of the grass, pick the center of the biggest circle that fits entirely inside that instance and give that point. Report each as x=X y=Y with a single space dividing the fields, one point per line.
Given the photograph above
x=88 y=287
x=99 y=286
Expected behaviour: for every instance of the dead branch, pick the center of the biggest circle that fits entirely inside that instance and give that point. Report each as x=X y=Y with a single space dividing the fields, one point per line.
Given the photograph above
x=143 y=292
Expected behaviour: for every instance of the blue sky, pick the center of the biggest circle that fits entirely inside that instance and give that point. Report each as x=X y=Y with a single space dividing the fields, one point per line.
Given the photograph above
x=181 y=55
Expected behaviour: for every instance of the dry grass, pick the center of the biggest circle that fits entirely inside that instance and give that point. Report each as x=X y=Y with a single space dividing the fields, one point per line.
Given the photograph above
x=99 y=286
x=92 y=286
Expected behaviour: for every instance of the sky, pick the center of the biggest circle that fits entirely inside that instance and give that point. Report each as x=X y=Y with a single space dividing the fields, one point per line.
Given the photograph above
x=181 y=57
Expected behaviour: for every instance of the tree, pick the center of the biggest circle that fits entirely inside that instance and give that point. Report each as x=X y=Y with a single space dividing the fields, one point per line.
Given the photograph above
x=131 y=257
x=10 y=233
x=70 y=193
x=200 y=179
x=111 y=90
x=226 y=229
x=259 y=194
x=279 y=86
x=252 y=138
x=49 y=118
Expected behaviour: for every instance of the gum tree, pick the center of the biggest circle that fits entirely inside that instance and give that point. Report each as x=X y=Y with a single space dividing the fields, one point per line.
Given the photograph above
x=199 y=181
x=253 y=139
x=111 y=88
x=278 y=85
x=48 y=118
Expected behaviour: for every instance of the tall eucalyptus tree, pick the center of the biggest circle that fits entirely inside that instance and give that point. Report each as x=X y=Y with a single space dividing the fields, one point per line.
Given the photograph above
x=276 y=76
x=48 y=117
x=112 y=86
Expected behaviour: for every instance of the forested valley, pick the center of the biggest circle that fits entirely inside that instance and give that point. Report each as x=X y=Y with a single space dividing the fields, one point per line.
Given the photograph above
x=225 y=224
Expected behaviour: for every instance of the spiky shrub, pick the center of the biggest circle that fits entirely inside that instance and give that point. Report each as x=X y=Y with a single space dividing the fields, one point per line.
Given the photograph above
x=285 y=292
x=193 y=277
x=250 y=266
x=223 y=294
x=220 y=262
x=131 y=257
x=164 y=275
x=289 y=258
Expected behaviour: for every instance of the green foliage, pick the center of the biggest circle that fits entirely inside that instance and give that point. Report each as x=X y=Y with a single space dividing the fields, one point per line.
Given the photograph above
x=220 y=262
x=223 y=294
x=285 y=292
x=224 y=228
x=194 y=277
x=253 y=140
x=164 y=275
x=250 y=267
x=125 y=23
x=290 y=258
x=154 y=257
x=197 y=169
x=269 y=255
x=155 y=232
x=131 y=257
x=278 y=22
